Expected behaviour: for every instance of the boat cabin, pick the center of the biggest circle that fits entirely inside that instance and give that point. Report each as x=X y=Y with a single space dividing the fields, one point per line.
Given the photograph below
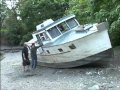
x=50 y=30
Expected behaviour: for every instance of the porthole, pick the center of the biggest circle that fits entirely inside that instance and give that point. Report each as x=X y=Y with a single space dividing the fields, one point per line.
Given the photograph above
x=72 y=46
x=60 y=50
x=48 y=51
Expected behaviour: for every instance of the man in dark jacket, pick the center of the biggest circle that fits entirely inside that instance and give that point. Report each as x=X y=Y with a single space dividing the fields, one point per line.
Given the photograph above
x=25 y=58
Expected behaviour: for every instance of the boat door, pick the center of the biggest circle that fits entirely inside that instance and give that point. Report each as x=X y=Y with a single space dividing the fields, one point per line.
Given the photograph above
x=39 y=40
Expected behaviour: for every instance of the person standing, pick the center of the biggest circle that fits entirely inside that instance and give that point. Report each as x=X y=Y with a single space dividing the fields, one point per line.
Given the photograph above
x=25 y=58
x=34 y=55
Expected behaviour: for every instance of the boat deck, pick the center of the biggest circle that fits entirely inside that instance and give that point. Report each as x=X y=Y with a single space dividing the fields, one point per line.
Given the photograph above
x=71 y=35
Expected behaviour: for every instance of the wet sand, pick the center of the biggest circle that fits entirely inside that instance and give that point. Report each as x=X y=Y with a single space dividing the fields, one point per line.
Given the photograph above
x=89 y=77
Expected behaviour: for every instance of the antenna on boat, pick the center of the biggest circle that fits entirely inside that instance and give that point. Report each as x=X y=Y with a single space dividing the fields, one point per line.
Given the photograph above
x=107 y=24
x=106 y=20
x=42 y=48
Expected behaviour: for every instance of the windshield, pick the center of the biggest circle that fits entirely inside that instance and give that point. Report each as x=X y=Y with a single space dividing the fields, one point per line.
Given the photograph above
x=54 y=32
x=71 y=23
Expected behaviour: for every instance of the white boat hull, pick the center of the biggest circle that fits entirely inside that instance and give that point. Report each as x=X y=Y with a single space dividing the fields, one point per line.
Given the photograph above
x=105 y=56
x=88 y=49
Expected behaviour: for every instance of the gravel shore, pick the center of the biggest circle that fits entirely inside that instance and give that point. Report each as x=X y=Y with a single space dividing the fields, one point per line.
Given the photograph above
x=89 y=77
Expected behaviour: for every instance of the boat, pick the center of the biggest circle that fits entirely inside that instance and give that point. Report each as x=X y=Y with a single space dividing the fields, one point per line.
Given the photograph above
x=65 y=43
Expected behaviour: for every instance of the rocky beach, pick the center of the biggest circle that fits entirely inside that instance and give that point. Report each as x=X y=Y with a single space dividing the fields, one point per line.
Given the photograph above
x=88 y=77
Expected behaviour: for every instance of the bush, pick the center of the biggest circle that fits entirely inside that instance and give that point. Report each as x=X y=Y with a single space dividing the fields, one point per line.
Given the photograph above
x=115 y=33
x=26 y=38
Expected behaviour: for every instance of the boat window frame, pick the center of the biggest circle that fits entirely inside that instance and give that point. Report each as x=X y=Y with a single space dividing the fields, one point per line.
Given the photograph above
x=56 y=29
x=62 y=28
x=74 y=21
x=40 y=42
x=46 y=37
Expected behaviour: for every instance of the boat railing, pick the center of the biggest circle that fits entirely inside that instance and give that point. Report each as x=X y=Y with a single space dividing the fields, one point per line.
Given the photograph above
x=102 y=26
x=83 y=28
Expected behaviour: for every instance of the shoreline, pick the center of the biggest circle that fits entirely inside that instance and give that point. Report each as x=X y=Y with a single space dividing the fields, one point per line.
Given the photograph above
x=87 y=77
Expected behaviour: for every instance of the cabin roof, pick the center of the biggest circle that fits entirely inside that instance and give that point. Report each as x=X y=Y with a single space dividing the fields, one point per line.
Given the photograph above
x=56 y=22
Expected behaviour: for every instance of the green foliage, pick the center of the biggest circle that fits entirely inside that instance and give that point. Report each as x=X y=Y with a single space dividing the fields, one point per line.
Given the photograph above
x=26 y=38
x=13 y=26
x=115 y=33
x=81 y=9
x=98 y=11
x=101 y=16
x=30 y=13
x=3 y=11
x=34 y=12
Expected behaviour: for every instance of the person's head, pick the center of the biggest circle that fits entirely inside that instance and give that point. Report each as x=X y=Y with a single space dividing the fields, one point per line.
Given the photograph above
x=25 y=45
x=33 y=44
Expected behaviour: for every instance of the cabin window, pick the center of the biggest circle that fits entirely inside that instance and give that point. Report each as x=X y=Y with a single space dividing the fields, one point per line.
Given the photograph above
x=63 y=27
x=39 y=40
x=54 y=32
x=44 y=36
x=72 y=23
x=60 y=50
x=72 y=46
x=41 y=34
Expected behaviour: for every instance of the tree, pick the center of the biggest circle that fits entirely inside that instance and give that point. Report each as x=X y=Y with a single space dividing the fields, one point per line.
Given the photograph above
x=34 y=12
x=109 y=9
x=11 y=26
x=81 y=9
x=98 y=11
x=3 y=14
